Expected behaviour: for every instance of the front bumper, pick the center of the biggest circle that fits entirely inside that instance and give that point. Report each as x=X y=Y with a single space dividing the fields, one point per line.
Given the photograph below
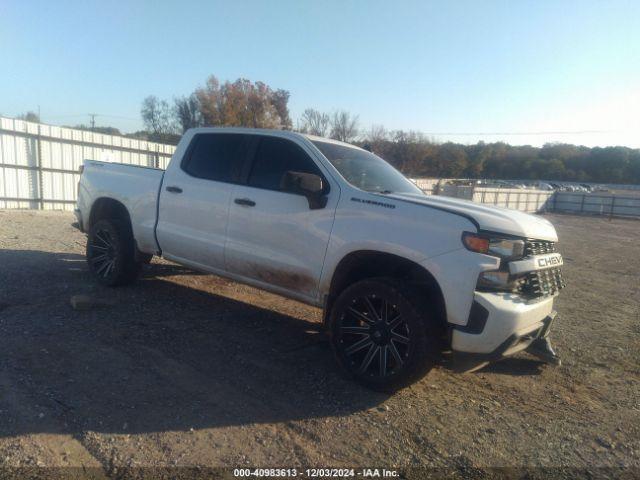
x=500 y=325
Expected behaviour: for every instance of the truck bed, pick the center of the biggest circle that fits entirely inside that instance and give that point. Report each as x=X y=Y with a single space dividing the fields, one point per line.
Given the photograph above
x=136 y=187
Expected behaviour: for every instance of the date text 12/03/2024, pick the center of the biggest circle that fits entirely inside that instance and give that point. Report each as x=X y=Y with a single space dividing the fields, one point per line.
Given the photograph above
x=316 y=473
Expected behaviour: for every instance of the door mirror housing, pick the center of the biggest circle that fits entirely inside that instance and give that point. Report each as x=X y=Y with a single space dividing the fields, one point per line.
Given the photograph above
x=309 y=185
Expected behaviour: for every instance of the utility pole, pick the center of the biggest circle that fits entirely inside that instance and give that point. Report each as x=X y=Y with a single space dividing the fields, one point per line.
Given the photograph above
x=93 y=120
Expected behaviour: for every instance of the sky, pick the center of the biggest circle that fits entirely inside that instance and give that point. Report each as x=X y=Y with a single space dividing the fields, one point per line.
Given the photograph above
x=524 y=72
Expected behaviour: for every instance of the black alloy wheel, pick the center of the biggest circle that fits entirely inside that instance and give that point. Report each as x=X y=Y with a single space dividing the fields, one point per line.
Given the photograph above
x=103 y=250
x=111 y=253
x=378 y=335
x=375 y=336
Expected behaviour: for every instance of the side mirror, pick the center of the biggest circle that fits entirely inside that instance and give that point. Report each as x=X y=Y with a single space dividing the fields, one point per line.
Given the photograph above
x=306 y=184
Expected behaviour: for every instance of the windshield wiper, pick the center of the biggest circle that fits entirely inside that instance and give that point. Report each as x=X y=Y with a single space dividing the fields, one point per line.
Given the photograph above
x=384 y=192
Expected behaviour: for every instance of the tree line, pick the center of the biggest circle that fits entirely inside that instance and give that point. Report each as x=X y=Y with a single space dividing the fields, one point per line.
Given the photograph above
x=249 y=104
x=417 y=156
x=256 y=104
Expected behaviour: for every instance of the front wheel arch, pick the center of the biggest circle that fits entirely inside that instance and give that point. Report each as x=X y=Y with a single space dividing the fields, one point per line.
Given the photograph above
x=364 y=264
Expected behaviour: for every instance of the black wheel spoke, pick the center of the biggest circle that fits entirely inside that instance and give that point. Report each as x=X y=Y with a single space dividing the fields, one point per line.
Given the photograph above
x=359 y=345
x=396 y=337
x=109 y=268
x=102 y=268
x=393 y=324
x=372 y=310
x=99 y=258
x=361 y=316
x=356 y=330
x=104 y=241
x=395 y=354
x=368 y=358
x=383 y=360
x=93 y=245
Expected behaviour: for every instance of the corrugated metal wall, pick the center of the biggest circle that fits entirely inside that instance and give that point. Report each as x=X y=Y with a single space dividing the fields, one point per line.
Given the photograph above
x=39 y=163
x=597 y=204
x=531 y=201
x=537 y=201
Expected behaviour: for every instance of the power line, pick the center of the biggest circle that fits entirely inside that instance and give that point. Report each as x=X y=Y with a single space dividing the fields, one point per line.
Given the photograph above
x=96 y=114
x=567 y=132
x=118 y=116
x=67 y=116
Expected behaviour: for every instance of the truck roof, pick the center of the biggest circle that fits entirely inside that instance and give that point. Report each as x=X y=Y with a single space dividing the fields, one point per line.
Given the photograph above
x=280 y=133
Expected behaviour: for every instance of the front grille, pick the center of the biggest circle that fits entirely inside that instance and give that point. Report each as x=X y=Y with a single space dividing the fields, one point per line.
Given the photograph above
x=542 y=283
x=539 y=247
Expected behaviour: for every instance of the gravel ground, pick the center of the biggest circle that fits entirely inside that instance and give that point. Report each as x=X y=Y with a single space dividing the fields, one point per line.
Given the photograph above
x=193 y=370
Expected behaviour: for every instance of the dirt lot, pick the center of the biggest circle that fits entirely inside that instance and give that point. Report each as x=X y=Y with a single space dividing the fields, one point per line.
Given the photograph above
x=189 y=369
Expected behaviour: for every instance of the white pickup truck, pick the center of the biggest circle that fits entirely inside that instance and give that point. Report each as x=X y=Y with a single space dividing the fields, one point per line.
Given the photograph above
x=401 y=276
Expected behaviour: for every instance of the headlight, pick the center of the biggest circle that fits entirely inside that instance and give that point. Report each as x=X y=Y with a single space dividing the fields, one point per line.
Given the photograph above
x=499 y=280
x=505 y=248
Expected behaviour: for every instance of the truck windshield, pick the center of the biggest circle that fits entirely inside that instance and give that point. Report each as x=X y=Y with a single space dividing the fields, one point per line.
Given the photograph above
x=365 y=170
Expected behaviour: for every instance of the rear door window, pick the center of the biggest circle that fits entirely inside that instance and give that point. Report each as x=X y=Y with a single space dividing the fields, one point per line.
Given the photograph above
x=217 y=156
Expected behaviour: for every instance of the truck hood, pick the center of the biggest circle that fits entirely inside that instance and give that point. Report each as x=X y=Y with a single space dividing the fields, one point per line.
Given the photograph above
x=488 y=217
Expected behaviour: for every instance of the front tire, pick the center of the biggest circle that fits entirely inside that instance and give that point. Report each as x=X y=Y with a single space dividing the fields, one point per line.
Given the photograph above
x=111 y=253
x=381 y=333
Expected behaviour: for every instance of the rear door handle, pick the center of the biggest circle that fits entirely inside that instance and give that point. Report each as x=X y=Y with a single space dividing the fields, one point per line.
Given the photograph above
x=173 y=189
x=245 y=201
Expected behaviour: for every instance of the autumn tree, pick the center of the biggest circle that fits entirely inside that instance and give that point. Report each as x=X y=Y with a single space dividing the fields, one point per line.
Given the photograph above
x=377 y=134
x=158 y=118
x=314 y=122
x=344 y=126
x=187 y=112
x=243 y=103
x=210 y=102
x=280 y=101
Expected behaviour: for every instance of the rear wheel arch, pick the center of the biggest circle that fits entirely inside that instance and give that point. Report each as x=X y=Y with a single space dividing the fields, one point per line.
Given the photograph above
x=106 y=208
x=368 y=264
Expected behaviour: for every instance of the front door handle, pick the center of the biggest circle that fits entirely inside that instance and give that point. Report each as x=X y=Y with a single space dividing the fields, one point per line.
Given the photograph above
x=245 y=201
x=173 y=189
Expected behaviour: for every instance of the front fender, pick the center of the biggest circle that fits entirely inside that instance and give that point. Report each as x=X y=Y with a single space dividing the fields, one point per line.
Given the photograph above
x=457 y=274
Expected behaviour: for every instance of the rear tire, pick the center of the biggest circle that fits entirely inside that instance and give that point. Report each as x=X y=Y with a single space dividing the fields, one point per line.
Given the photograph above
x=382 y=333
x=111 y=253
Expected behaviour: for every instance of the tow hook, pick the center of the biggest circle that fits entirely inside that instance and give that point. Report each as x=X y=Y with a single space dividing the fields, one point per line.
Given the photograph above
x=541 y=348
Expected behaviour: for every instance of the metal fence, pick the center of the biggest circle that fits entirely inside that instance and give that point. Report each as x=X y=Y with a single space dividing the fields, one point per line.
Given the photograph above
x=39 y=163
x=532 y=201
x=536 y=201
x=597 y=204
